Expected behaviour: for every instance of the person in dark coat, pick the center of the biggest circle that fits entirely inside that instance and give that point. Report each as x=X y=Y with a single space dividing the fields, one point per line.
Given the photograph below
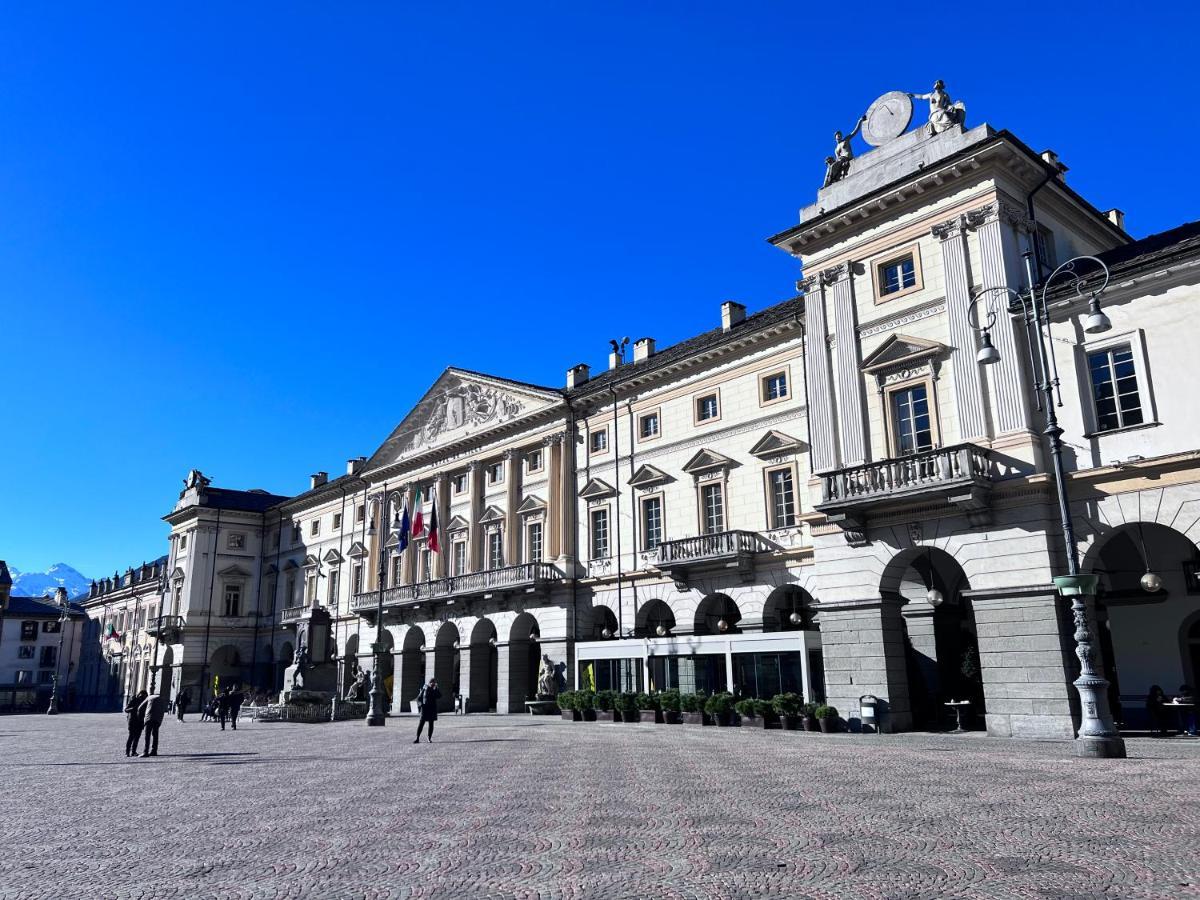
x=181 y=703
x=152 y=710
x=427 y=700
x=236 y=699
x=1154 y=706
x=132 y=710
x=223 y=705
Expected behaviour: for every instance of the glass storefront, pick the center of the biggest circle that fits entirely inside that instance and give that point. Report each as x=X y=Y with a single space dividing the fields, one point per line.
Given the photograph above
x=688 y=674
x=764 y=675
x=623 y=675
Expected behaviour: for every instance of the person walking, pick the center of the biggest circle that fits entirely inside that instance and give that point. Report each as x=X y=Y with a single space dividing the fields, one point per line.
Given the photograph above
x=427 y=702
x=223 y=707
x=236 y=699
x=133 y=711
x=181 y=703
x=152 y=711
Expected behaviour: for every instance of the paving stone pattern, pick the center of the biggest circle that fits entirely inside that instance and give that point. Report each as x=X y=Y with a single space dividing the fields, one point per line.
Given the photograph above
x=516 y=807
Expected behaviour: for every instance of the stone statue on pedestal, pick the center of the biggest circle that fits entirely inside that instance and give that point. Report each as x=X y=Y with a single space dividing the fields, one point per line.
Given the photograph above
x=838 y=165
x=547 y=679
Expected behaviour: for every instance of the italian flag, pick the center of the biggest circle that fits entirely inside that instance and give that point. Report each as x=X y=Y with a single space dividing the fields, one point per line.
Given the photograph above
x=418 y=525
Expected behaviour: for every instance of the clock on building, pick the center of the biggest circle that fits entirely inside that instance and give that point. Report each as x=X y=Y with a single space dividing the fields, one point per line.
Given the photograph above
x=887 y=118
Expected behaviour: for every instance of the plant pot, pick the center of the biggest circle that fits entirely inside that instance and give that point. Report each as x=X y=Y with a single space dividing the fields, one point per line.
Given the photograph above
x=692 y=718
x=649 y=715
x=725 y=720
x=571 y=715
x=606 y=715
x=589 y=715
x=790 y=723
x=809 y=723
x=672 y=717
x=827 y=726
x=631 y=715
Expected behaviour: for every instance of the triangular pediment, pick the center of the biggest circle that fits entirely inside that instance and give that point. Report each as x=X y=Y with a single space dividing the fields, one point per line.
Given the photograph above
x=532 y=504
x=597 y=488
x=648 y=476
x=707 y=460
x=458 y=405
x=457 y=523
x=899 y=350
x=774 y=443
x=311 y=561
x=492 y=514
x=357 y=550
x=333 y=557
x=234 y=571
x=177 y=573
x=290 y=565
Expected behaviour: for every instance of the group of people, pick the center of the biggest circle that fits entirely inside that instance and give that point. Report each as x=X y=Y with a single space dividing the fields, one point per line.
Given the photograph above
x=145 y=713
x=224 y=707
x=1160 y=718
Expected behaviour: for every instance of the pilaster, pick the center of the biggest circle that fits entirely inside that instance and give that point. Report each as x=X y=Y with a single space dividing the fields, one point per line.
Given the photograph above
x=852 y=420
x=822 y=422
x=512 y=498
x=968 y=397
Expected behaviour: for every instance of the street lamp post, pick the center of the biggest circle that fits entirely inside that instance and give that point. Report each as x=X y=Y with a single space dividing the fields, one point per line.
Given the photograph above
x=377 y=716
x=62 y=627
x=1098 y=736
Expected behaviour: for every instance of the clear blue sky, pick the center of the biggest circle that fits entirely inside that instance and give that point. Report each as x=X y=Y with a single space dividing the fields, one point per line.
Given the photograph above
x=247 y=237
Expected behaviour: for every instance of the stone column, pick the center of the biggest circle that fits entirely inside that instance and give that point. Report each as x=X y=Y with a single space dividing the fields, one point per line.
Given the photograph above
x=503 y=660
x=475 y=538
x=512 y=498
x=863 y=648
x=968 y=398
x=464 y=672
x=852 y=420
x=822 y=423
x=1022 y=650
x=997 y=225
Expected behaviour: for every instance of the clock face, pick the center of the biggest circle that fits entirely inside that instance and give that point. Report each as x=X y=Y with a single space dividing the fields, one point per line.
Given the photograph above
x=887 y=118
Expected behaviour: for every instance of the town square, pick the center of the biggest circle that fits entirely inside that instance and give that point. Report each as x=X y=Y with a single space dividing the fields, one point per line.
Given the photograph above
x=527 y=807
x=606 y=450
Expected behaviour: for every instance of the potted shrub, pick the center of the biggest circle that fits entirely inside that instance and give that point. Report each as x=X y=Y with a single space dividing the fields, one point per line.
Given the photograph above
x=827 y=718
x=647 y=705
x=669 y=702
x=720 y=708
x=788 y=707
x=755 y=713
x=606 y=710
x=626 y=705
x=566 y=706
x=808 y=717
x=585 y=703
x=691 y=709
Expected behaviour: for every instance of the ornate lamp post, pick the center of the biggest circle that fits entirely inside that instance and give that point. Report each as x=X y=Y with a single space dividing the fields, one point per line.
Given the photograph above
x=377 y=715
x=62 y=628
x=1098 y=736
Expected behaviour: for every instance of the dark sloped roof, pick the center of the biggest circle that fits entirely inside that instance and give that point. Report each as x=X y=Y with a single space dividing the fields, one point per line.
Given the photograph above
x=767 y=318
x=243 y=501
x=341 y=480
x=1148 y=252
x=37 y=606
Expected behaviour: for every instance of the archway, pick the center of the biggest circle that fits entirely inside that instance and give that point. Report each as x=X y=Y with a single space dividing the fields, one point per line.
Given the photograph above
x=941 y=645
x=484 y=661
x=1144 y=635
x=789 y=608
x=654 y=619
x=446 y=661
x=717 y=614
x=603 y=624
x=225 y=665
x=412 y=666
x=524 y=657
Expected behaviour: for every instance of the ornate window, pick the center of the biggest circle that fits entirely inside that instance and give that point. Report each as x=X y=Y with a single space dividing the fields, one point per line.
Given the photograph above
x=652 y=522
x=712 y=507
x=598 y=520
x=1118 y=403
x=912 y=425
x=459 y=557
x=495 y=547
x=533 y=542
x=781 y=497
x=232 y=599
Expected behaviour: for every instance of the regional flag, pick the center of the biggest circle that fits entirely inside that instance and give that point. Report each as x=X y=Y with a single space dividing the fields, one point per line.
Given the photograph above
x=405 y=529
x=418 y=525
x=433 y=524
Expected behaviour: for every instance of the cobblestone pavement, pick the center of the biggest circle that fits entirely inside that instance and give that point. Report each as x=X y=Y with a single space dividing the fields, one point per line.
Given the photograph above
x=520 y=807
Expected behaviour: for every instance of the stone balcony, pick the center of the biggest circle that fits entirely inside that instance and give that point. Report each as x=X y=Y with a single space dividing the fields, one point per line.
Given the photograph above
x=527 y=578
x=165 y=628
x=290 y=615
x=723 y=550
x=960 y=475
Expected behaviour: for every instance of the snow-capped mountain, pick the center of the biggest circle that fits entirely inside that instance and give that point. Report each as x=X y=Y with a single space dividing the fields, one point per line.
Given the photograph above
x=38 y=584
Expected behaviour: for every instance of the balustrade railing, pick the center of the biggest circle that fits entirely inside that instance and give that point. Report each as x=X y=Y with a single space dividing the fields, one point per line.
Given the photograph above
x=164 y=625
x=509 y=577
x=945 y=465
x=711 y=546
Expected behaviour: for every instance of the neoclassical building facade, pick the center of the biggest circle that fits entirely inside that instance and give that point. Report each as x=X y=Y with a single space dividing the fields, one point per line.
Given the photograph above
x=833 y=495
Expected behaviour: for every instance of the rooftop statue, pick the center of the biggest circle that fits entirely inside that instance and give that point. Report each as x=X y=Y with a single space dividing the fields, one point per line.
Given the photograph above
x=838 y=165
x=943 y=112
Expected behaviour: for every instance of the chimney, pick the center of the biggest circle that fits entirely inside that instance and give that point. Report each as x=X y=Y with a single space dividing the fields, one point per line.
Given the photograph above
x=1117 y=217
x=732 y=313
x=317 y=479
x=1051 y=157
x=60 y=596
x=643 y=348
x=577 y=375
x=354 y=466
x=5 y=585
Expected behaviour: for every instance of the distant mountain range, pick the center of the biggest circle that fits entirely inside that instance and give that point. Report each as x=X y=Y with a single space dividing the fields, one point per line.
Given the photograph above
x=38 y=584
